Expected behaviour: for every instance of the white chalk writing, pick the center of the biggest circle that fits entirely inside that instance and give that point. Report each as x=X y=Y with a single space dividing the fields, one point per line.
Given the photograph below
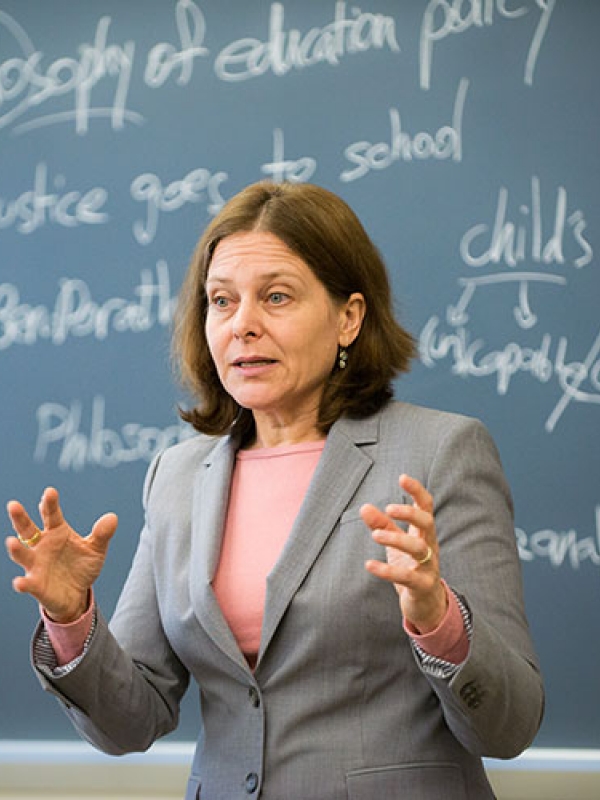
x=282 y=169
x=197 y=186
x=560 y=548
x=512 y=239
x=445 y=17
x=574 y=377
x=511 y=242
x=287 y=50
x=31 y=83
x=80 y=445
x=457 y=314
x=35 y=207
x=472 y=357
x=164 y=57
x=444 y=144
x=27 y=82
x=76 y=314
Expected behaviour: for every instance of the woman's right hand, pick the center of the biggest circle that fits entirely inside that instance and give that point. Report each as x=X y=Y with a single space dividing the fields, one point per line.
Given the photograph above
x=60 y=566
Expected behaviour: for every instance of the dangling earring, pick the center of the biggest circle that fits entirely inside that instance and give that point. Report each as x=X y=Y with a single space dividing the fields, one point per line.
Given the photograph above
x=343 y=358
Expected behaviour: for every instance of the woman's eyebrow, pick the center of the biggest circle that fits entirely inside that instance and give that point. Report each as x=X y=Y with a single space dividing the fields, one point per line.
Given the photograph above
x=267 y=276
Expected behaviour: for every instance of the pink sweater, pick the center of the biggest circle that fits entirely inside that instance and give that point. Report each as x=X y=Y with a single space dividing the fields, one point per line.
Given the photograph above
x=267 y=489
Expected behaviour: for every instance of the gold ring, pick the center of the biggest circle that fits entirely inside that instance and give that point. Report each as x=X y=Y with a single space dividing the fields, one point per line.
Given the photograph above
x=426 y=557
x=32 y=539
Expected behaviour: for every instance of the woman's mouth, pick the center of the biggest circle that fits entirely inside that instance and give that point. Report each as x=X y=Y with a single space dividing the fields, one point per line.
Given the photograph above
x=253 y=363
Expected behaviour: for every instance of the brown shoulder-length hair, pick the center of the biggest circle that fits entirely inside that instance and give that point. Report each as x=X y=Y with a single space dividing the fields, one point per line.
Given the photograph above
x=324 y=232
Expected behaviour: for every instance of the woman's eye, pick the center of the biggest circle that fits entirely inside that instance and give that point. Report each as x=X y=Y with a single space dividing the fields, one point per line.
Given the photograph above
x=219 y=301
x=276 y=298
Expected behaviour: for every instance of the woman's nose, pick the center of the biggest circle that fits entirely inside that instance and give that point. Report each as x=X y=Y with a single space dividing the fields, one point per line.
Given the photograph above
x=246 y=320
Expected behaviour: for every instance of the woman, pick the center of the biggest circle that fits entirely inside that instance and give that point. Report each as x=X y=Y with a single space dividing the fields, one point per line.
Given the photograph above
x=336 y=571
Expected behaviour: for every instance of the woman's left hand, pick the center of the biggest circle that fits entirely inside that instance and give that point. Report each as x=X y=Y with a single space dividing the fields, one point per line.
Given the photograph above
x=412 y=555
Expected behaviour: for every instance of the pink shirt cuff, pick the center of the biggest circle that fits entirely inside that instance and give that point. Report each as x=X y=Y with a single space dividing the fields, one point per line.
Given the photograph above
x=449 y=641
x=69 y=640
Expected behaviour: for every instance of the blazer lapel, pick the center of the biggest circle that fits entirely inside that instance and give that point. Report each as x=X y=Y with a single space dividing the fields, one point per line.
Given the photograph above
x=341 y=469
x=211 y=496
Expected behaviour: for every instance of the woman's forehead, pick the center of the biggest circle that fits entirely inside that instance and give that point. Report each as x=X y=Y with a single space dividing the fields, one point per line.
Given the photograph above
x=256 y=250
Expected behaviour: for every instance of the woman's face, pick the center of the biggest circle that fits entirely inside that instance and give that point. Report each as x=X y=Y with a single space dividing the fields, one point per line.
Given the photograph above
x=272 y=328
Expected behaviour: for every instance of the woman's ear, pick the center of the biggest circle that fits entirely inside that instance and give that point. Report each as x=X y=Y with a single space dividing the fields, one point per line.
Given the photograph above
x=352 y=314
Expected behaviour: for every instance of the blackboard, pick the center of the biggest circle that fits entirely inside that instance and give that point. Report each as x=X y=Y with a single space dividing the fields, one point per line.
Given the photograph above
x=465 y=136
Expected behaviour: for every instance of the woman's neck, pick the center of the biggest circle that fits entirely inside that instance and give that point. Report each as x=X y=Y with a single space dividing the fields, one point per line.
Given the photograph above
x=271 y=433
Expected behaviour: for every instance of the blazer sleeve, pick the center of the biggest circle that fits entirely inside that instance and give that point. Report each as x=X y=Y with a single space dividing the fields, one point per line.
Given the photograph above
x=494 y=703
x=118 y=704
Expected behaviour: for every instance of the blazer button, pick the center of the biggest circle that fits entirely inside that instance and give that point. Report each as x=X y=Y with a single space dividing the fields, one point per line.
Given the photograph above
x=472 y=694
x=254 y=697
x=251 y=782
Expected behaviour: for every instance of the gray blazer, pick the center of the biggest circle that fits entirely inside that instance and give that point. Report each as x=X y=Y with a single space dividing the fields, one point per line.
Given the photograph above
x=339 y=706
